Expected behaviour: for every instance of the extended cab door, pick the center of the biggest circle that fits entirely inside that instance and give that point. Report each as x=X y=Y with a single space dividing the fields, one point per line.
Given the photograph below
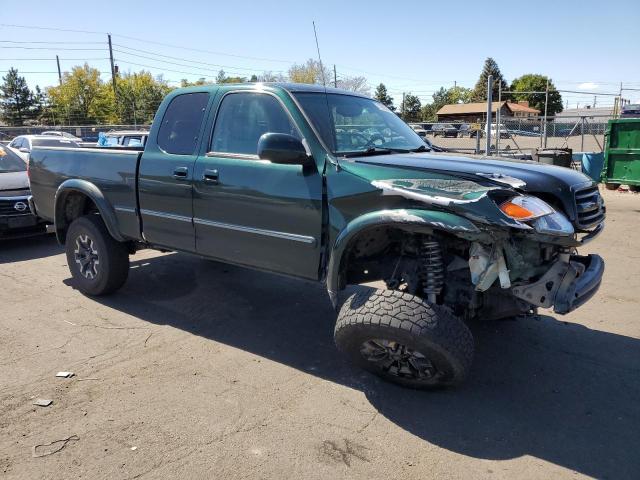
x=249 y=211
x=165 y=180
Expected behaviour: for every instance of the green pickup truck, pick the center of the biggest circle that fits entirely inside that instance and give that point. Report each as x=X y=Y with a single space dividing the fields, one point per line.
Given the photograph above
x=328 y=185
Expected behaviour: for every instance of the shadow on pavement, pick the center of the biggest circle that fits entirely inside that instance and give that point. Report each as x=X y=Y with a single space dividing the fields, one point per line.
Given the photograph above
x=557 y=391
x=29 y=248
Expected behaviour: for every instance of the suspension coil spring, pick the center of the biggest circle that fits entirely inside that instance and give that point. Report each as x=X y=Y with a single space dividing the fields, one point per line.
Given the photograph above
x=432 y=269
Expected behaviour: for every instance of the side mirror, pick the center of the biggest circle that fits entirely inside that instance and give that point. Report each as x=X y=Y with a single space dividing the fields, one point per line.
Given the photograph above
x=282 y=148
x=24 y=150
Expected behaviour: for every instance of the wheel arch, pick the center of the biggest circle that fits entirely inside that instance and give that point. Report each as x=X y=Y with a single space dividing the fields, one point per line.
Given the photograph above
x=77 y=197
x=409 y=220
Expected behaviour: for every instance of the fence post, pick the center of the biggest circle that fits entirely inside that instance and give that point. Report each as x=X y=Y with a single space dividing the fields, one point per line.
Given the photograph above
x=478 y=136
x=546 y=102
x=582 y=135
x=498 y=117
x=489 y=98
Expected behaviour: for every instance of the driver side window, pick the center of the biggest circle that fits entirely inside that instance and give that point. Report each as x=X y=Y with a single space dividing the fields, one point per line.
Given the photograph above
x=243 y=118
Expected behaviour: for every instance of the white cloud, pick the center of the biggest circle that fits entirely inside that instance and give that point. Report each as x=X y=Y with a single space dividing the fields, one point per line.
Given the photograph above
x=588 y=86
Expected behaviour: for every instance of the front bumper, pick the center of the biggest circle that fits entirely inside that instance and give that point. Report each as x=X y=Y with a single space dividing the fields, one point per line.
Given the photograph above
x=567 y=284
x=581 y=282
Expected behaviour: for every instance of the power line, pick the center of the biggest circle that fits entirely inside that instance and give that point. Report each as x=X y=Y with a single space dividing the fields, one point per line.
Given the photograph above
x=52 y=59
x=55 y=49
x=183 y=64
x=50 y=28
x=48 y=43
x=137 y=39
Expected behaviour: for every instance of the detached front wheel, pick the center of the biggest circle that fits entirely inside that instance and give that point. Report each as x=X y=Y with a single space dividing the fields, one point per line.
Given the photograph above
x=404 y=339
x=98 y=263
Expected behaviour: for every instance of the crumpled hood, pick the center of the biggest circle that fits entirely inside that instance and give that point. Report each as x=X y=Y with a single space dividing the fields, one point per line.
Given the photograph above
x=459 y=179
x=537 y=177
x=14 y=181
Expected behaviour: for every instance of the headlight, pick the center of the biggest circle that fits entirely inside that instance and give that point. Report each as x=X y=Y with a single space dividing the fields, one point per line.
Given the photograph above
x=537 y=213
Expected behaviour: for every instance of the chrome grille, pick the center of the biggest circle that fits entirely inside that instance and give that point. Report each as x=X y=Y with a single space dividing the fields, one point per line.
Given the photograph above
x=8 y=207
x=590 y=209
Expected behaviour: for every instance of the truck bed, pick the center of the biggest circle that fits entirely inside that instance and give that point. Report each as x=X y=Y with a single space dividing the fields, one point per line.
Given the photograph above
x=111 y=170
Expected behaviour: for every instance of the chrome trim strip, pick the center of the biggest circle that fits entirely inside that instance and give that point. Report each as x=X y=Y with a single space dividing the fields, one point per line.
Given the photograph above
x=15 y=199
x=258 y=231
x=593 y=234
x=124 y=209
x=125 y=150
x=169 y=216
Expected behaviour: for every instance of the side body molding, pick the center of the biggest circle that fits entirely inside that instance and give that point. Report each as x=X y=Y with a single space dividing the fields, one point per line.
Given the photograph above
x=412 y=220
x=90 y=190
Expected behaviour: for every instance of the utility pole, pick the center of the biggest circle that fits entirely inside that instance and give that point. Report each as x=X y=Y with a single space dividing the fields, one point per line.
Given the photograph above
x=402 y=105
x=546 y=106
x=59 y=71
x=335 y=77
x=113 y=68
x=489 y=99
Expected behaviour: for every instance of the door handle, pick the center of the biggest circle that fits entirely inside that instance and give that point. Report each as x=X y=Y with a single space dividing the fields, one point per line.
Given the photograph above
x=180 y=173
x=210 y=176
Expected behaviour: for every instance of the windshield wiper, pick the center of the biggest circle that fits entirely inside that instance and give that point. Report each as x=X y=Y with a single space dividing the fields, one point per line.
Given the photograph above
x=368 y=152
x=421 y=148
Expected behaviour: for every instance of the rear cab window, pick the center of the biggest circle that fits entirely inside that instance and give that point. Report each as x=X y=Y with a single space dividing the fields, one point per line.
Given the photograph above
x=180 y=128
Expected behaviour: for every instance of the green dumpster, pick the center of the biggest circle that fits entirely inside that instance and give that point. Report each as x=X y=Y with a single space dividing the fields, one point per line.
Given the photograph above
x=622 y=153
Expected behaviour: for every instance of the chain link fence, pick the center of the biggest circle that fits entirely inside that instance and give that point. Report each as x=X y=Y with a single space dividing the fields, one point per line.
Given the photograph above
x=88 y=133
x=520 y=136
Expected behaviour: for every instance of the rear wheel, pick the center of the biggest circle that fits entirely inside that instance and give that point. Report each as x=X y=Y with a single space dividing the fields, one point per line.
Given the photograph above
x=98 y=263
x=404 y=339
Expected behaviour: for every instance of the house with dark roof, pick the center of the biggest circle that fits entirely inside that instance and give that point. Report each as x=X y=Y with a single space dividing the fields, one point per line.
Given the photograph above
x=477 y=112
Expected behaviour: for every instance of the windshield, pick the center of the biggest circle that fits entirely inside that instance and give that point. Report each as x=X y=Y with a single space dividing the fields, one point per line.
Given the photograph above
x=357 y=124
x=10 y=162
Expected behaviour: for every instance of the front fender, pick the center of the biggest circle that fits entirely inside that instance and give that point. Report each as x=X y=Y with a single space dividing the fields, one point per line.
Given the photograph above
x=87 y=188
x=411 y=220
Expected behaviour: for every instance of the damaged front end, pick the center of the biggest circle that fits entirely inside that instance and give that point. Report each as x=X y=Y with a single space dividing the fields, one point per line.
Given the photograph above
x=563 y=282
x=520 y=257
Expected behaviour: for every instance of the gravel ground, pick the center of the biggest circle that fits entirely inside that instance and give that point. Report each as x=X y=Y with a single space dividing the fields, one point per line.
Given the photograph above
x=201 y=370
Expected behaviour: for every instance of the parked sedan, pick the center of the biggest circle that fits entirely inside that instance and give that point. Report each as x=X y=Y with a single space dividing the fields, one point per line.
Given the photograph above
x=23 y=144
x=419 y=129
x=16 y=220
x=444 y=130
x=58 y=133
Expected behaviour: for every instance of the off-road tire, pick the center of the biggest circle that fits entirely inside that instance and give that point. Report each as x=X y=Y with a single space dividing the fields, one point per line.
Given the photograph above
x=408 y=320
x=89 y=233
x=612 y=186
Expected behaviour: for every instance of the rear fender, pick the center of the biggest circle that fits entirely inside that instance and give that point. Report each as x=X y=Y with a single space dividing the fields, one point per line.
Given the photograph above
x=411 y=220
x=92 y=192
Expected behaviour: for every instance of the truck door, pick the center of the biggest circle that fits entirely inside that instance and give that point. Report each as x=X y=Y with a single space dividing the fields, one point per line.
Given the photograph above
x=249 y=211
x=165 y=181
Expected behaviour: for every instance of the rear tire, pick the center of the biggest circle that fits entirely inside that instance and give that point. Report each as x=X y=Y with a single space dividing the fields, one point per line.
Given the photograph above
x=404 y=339
x=98 y=263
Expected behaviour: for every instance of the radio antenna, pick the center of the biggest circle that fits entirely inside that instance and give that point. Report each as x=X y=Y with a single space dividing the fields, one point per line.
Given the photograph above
x=324 y=81
x=326 y=98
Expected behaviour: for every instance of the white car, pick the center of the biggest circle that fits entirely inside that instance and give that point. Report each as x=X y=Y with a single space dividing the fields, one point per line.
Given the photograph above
x=58 y=133
x=504 y=131
x=23 y=144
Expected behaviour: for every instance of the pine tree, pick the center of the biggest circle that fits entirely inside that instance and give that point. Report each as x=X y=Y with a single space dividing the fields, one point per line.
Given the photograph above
x=383 y=97
x=15 y=98
x=480 y=90
x=411 y=108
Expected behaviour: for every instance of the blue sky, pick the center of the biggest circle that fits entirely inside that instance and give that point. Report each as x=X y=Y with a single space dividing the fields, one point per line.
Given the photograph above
x=410 y=46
